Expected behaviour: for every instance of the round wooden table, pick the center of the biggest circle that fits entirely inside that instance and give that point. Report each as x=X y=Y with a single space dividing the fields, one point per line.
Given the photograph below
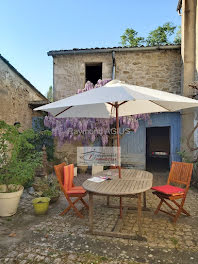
x=133 y=182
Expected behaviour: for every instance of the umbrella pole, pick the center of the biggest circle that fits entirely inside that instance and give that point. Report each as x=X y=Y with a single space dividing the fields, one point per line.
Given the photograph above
x=118 y=140
x=118 y=145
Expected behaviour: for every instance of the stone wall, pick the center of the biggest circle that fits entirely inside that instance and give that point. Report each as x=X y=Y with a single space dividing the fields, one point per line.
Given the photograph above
x=69 y=72
x=157 y=69
x=188 y=53
x=196 y=42
x=15 y=94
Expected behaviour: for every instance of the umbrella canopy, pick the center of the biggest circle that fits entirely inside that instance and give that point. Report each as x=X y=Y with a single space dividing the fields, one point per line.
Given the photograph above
x=138 y=100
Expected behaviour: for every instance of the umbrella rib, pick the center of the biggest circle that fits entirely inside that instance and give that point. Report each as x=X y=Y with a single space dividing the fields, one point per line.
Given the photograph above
x=160 y=105
x=122 y=103
x=117 y=104
x=111 y=104
x=63 y=111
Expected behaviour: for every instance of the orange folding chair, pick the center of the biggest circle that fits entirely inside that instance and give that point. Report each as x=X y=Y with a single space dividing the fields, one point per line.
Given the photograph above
x=65 y=175
x=180 y=173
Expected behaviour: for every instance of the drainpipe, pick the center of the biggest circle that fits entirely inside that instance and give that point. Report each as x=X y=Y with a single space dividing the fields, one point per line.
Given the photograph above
x=113 y=67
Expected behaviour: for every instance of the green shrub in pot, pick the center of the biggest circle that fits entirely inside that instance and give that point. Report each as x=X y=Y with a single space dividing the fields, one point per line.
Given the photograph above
x=18 y=161
x=48 y=187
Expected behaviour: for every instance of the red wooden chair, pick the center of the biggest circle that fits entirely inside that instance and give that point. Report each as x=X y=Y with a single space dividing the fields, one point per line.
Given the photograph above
x=65 y=175
x=180 y=173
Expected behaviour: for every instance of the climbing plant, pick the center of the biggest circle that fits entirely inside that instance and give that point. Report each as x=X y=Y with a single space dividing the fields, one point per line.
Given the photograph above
x=88 y=130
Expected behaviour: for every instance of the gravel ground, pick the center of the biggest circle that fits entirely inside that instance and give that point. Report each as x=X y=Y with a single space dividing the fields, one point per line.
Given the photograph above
x=26 y=238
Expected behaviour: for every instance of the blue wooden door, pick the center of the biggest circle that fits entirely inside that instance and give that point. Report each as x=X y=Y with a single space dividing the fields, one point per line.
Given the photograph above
x=133 y=145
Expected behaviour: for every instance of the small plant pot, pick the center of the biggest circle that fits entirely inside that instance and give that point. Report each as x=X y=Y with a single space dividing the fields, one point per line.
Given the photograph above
x=41 y=205
x=54 y=199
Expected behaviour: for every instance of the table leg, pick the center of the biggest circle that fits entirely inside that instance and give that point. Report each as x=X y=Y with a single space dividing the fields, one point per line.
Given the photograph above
x=144 y=198
x=139 y=214
x=91 y=212
x=108 y=199
x=121 y=207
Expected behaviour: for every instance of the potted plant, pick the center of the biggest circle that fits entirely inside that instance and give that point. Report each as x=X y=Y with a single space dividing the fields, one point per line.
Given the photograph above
x=19 y=160
x=47 y=188
x=41 y=205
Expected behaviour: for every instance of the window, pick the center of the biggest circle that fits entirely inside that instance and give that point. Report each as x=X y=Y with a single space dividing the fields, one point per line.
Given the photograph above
x=93 y=72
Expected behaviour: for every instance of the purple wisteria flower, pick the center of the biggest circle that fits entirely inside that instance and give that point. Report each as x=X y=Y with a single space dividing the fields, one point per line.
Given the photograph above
x=89 y=130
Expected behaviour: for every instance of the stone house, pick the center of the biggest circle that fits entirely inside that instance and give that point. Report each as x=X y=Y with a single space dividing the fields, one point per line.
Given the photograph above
x=167 y=68
x=18 y=96
x=154 y=67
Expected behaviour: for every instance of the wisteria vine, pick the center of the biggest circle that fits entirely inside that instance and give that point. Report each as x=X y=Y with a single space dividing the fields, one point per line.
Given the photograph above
x=88 y=130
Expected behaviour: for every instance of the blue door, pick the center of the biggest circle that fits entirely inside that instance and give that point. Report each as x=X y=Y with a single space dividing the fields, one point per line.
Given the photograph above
x=133 y=145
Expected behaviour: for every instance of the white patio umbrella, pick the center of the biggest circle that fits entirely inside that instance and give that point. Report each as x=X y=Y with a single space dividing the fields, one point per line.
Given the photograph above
x=116 y=99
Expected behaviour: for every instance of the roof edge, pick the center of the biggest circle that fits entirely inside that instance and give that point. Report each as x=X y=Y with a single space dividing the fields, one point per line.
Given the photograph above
x=108 y=50
x=21 y=76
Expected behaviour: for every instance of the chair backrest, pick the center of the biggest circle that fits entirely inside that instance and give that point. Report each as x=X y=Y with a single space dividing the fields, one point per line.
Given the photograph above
x=180 y=173
x=59 y=170
x=68 y=177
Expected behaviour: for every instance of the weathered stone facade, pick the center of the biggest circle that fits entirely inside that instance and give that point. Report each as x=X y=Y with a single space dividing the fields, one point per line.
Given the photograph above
x=157 y=68
x=15 y=95
x=196 y=40
x=189 y=53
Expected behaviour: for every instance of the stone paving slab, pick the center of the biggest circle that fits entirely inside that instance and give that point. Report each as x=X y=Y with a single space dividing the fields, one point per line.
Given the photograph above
x=56 y=239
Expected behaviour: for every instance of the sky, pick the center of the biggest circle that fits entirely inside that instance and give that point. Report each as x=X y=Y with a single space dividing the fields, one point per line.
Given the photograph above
x=31 y=28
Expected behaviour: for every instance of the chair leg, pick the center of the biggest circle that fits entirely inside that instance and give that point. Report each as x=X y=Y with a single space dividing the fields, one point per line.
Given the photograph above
x=77 y=212
x=65 y=211
x=170 y=206
x=84 y=203
x=178 y=210
x=75 y=209
x=159 y=206
x=72 y=205
x=182 y=209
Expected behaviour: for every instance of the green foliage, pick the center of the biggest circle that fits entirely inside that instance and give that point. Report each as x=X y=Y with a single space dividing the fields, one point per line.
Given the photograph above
x=177 y=39
x=130 y=39
x=175 y=242
x=52 y=191
x=50 y=94
x=160 y=36
x=187 y=157
x=18 y=156
x=49 y=187
x=44 y=137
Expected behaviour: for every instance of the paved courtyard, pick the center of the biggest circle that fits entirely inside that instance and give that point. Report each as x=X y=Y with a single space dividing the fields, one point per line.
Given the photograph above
x=26 y=238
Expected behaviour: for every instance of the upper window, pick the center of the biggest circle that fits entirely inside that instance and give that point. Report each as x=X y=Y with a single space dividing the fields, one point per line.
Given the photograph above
x=93 y=72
